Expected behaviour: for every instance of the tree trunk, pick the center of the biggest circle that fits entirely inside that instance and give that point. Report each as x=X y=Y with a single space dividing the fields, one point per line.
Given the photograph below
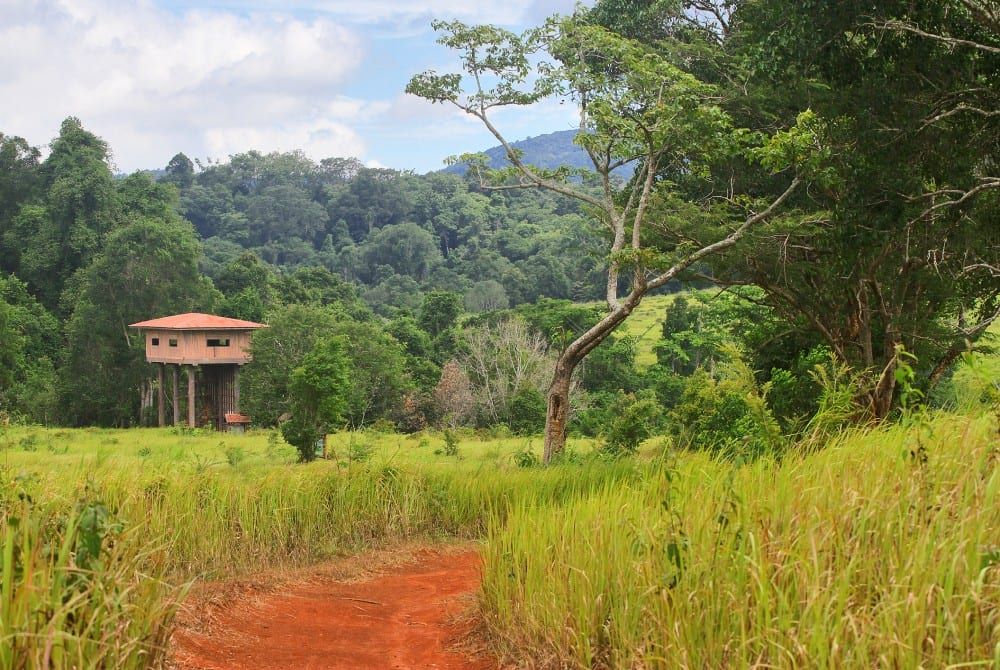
x=882 y=395
x=557 y=417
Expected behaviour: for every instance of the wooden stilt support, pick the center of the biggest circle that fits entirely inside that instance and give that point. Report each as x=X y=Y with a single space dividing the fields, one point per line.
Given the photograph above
x=161 y=399
x=236 y=389
x=192 y=395
x=177 y=399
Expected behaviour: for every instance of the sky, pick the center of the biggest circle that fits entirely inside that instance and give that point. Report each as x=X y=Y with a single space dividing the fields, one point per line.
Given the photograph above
x=216 y=77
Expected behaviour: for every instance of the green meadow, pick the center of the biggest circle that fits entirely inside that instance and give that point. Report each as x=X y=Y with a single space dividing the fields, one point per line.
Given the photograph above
x=881 y=549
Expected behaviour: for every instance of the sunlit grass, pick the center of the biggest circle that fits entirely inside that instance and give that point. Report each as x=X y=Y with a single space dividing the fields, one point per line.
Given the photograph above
x=882 y=550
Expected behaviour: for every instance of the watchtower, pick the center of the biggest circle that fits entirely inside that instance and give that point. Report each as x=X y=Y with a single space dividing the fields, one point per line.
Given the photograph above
x=211 y=349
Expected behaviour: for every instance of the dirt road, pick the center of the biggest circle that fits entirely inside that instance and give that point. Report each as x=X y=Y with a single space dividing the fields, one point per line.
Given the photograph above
x=406 y=616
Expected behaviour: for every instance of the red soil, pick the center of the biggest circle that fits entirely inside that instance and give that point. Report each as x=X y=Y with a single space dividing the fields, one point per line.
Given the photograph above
x=408 y=617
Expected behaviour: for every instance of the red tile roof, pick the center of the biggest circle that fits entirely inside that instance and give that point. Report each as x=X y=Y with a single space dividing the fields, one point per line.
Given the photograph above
x=197 y=321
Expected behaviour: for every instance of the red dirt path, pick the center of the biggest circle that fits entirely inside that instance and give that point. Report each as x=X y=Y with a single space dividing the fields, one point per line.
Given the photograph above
x=409 y=617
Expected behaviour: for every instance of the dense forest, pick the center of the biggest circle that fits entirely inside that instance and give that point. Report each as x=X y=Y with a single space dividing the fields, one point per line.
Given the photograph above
x=450 y=297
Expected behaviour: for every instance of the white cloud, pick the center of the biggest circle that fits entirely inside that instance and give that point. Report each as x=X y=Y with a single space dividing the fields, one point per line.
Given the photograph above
x=401 y=12
x=247 y=74
x=152 y=82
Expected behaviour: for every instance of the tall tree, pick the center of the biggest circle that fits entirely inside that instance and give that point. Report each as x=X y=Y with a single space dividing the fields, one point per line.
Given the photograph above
x=63 y=233
x=19 y=182
x=180 y=171
x=901 y=249
x=636 y=107
x=292 y=332
x=320 y=389
x=148 y=266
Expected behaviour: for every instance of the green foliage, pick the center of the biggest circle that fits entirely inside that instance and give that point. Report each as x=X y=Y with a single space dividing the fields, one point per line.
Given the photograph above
x=320 y=390
x=726 y=413
x=439 y=312
x=359 y=450
x=148 y=266
x=60 y=234
x=277 y=350
x=302 y=434
x=611 y=366
x=486 y=296
x=526 y=457
x=900 y=172
x=450 y=444
x=632 y=419
x=526 y=411
x=378 y=371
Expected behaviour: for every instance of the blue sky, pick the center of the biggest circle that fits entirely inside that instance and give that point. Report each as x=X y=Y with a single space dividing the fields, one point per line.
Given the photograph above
x=214 y=77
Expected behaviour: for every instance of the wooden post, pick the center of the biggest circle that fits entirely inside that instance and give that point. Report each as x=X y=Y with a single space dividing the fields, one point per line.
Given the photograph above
x=177 y=404
x=236 y=389
x=220 y=394
x=160 y=397
x=191 y=395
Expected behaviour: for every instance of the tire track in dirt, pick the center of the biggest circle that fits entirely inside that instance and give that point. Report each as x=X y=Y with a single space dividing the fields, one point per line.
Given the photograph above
x=408 y=617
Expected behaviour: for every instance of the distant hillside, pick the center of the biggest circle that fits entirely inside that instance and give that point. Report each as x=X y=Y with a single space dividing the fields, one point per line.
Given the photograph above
x=545 y=151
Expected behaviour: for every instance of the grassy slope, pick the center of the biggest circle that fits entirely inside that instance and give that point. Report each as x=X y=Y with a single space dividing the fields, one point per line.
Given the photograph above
x=645 y=324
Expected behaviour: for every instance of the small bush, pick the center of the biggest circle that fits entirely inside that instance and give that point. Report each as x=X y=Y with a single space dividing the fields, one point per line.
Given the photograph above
x=303 y=435
x=235 y=455
x=633 y=418
x=450 y=444
x=383 y=426
x=726 y=413
x=526 y=457
x=359 y=450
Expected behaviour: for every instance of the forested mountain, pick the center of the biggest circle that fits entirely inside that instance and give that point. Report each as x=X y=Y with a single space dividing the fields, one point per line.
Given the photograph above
x=548 y=151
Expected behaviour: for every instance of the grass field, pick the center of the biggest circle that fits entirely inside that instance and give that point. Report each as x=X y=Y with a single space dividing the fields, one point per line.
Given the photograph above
x=881 y=549
x=645 y=324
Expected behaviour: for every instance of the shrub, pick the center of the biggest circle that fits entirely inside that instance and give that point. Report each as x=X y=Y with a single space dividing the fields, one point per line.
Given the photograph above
x=383 y=426
x=632 y=419
x=359 y=450
x=526 y=414
x=526 y=457
x=235 y=455
x=726 y=413
x=450 y=444
x=303 y=435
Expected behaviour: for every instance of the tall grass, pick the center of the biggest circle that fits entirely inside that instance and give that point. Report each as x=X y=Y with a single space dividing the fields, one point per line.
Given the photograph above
x=222 y=521
x=77 y=593
x=881 y=551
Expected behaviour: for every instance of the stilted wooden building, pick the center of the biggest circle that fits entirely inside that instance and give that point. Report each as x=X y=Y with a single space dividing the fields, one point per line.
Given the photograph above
x=211 y=350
